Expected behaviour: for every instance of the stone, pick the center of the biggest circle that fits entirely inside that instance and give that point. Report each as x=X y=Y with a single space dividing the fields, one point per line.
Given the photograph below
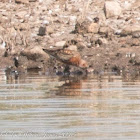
x=81 y=45
x=112 y=9
x=72 y=47
x=50 y=30
x=127 y=5
x=21 y=14
x=22 y=1
x=42 y=31
x=101 y=41
x=86 y=27
x=2 y=30
x=72 y=20
x=35 y=53
x=2 y=45
x=45 y=22
x=60 y=44
x=4 y=19
x=18 y=40
x=136 y=35
x=135 y=42
x=22 y=26
x=93 y=28
x=136 y=4
x=103 y=30
x=1 y=41
x=32 y=0
x=130 y=29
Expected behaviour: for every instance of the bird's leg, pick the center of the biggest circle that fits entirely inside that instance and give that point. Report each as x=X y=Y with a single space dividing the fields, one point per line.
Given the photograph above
x=67 y=70
x=84 y=71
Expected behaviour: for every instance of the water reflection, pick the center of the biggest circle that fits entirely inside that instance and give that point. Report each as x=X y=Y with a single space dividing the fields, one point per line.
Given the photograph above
x=34 y=106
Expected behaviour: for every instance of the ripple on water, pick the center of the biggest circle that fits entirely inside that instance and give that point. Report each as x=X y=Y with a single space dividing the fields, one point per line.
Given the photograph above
x=98 y=107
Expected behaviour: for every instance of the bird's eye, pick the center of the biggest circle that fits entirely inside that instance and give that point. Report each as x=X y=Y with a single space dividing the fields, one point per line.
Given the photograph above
x=85 y=65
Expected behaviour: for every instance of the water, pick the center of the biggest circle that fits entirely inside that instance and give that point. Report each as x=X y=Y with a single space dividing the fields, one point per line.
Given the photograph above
x=97 y=107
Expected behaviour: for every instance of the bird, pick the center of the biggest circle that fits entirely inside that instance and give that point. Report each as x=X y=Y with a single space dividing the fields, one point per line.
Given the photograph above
x=68 y=57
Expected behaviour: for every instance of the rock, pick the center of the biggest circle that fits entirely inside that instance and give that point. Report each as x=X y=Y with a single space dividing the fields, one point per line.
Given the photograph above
x=72 y=47
x=4 y=19
x=50 y=30
x=133 y=55
x=130 y=55
x=60 y=44
x=32 y=0
x=21 y=14
x=79 y=38
x=130 y=29
x=22 y=1
x=2 y=47
x=93 y=39
x=136 y=4
x=127 y=5
x=18 y=40
x=26 y=64
x=93 y=28
x=81 y=45
x=42 y=31
x=136 y=35
x=103 y=31
x=97 y=38
x=22 y=26
x=112 y=9
x=2 y=44
x=72 y=20
x=45 y=22
x=101 y=41
x=2 y=30
x=87 y=27
x=35 y=53
x=129 y=18
x=135 y=42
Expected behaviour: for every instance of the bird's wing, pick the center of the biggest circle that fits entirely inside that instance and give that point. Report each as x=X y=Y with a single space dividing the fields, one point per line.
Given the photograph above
x=52 y=52
x=66 y=55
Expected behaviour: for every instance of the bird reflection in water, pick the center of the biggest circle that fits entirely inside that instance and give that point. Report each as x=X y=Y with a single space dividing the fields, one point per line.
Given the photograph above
x=72 y=86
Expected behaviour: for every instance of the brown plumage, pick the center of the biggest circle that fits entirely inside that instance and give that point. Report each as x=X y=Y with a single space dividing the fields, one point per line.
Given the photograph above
x=67 y=56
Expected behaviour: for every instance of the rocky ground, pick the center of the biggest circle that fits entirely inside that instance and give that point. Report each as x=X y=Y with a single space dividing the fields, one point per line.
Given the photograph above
x=106 y=33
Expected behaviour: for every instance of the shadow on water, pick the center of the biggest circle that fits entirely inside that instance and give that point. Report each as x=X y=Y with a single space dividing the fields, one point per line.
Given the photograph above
x=71 y=86
x=36 y=106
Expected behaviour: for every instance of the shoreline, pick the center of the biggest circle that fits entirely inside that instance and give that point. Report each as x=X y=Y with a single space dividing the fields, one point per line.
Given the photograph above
x=105 y=38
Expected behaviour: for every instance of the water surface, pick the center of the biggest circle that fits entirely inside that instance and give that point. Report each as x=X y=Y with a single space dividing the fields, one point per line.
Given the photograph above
x=99 y=107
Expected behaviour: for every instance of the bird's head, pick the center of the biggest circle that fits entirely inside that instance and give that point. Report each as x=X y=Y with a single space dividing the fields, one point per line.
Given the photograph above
x=83 y=64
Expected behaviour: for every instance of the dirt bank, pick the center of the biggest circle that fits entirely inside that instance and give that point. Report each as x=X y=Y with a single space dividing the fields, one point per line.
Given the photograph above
x=106 y=33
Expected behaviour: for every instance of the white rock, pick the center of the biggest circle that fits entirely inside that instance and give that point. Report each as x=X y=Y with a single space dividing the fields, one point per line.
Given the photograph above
x=72 y=20
x=72 y=47
x=133 y=55
x=112 y=9
x=51 y=47
x=40 y=1
x=2 y=46
x=103 y=40
x=50 y=12
x=127 y=5
x=130 y=29
x=60 y=44
x=45 y=22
